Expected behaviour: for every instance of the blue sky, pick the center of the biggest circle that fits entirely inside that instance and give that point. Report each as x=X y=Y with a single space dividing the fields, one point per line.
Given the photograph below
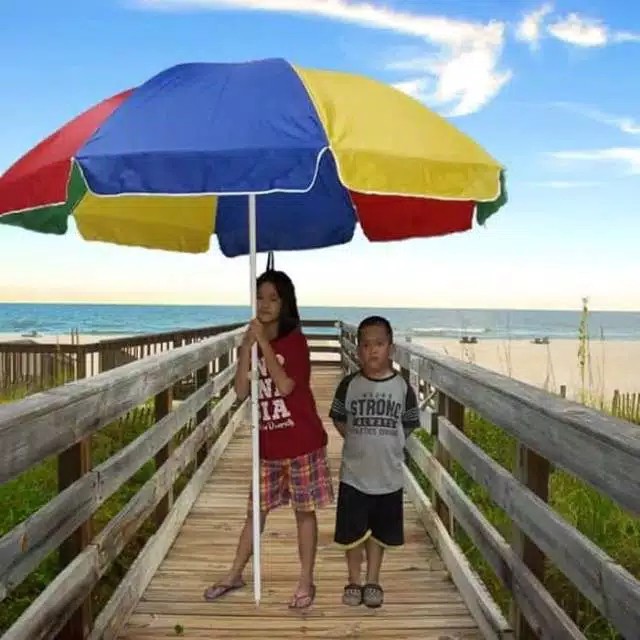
x=548 y=89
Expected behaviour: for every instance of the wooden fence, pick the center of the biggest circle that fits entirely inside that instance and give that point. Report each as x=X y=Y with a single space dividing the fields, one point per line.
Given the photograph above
x=61 y=421
x=601 y=450
x=27 y=367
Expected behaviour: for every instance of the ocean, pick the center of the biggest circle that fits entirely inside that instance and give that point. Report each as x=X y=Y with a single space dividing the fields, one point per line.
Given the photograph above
x=115 y=319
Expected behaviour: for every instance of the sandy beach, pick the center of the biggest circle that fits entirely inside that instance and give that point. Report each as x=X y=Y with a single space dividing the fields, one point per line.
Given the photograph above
x=614 y=364
x=63 y=338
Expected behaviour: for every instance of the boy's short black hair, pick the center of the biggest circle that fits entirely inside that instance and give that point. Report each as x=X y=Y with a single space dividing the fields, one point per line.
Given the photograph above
x=376 y=321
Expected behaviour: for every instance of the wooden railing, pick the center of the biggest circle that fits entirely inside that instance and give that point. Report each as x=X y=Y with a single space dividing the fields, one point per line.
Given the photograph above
x=551 y=431
x=27 y=367
x=187 y=435
x=192 y=434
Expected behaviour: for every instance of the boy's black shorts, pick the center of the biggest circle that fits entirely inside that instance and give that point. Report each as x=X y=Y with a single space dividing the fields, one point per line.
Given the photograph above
x=360 y=515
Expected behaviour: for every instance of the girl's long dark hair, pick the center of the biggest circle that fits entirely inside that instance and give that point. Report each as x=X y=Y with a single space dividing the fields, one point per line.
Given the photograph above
x=289 y=314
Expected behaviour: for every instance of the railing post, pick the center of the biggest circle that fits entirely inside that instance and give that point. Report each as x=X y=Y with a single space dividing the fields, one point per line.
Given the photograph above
x=201 y=379
x=533 y=471
x=162 y=406
x=73 y=463
x=223 y=362
x=343 y=360
x=453 y=411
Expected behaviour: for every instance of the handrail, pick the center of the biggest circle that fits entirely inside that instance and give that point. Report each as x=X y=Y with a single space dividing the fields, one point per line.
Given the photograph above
x=601 y=450
x=185 y=435
x=35 y=366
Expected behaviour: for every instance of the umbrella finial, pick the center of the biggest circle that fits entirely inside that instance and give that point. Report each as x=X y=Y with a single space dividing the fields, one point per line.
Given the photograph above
x=270 y=262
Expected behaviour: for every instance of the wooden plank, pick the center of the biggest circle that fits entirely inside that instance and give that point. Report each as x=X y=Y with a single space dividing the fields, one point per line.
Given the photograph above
x=117 y=533
x=45 y=617
x=162 y=407
x=420 y=599
x=167 y=336
x=47 y=423
x=52 y=609
x=608 y=585
x=484 y=610
x=603 y=450
x=532 y=470
x=201 y=380
x=74 y=463
x=26 y=545
x=545 y=616
x=128 y=592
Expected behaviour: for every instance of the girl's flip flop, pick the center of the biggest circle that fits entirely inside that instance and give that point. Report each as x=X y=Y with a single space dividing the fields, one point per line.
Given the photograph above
x=303 y=600
x=220 y=589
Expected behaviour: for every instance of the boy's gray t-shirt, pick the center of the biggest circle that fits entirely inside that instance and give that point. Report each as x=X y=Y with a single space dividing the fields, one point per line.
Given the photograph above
x=378 y=415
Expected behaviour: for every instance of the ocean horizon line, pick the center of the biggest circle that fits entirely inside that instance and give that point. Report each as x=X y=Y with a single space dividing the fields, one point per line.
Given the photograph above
x=576 y=309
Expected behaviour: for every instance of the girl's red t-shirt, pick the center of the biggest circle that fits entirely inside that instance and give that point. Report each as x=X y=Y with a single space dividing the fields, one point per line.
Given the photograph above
x=289 y=426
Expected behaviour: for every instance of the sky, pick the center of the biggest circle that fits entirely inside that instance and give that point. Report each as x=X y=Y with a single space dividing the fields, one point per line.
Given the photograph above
x=547 y=88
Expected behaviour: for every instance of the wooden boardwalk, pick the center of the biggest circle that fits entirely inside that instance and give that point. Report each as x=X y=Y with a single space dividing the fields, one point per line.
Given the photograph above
x=421 y=601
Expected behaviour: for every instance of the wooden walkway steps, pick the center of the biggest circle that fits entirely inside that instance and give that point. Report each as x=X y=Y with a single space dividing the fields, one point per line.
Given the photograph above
x=421 y=600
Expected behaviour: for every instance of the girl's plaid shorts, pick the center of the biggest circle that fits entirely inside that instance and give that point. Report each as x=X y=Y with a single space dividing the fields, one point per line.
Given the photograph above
x=304 y=481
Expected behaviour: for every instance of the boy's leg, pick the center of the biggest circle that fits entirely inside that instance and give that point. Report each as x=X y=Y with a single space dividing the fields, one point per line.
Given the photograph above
x=387 y=531
x=310 y=489
x=351 y=532
x=375 y=552
x=354 y=563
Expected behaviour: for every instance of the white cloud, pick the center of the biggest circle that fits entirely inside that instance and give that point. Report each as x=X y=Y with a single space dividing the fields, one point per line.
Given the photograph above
x=565 y=184
x=459 y=69
x=624 y=124
x=530 y=27
x=582 y=31
x=626 y=36
x=627 y=156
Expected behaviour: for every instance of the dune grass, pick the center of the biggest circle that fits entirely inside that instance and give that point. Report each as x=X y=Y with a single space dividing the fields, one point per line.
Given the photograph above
x=25 y=494
x=596 y=516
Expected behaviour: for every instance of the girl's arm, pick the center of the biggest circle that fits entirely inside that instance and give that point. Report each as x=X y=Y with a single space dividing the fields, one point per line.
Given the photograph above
x=279 y=376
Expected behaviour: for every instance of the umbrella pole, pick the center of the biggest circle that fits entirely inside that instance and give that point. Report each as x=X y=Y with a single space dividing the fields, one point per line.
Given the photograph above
x=255 y=417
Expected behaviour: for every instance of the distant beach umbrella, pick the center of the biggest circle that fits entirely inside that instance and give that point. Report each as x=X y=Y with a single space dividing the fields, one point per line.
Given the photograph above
x=266 y=155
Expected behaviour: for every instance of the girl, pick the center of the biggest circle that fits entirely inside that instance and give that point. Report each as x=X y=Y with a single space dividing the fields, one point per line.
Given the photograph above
x=293 y=465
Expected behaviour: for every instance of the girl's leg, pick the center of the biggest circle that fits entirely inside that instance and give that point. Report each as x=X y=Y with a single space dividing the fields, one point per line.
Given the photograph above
x=244 y=549
x=233 y=579
x=311 y=489
x=307 y=525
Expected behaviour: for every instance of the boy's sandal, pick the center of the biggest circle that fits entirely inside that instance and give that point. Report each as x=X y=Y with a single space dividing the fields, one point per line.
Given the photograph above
x=352 y=595
x=303 y=600
x=219 y=589
x=372 y=595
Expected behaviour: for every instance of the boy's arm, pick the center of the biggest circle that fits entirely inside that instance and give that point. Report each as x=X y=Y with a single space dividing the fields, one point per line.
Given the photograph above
x=411 y=415
x=338 y=412
x=340 y=427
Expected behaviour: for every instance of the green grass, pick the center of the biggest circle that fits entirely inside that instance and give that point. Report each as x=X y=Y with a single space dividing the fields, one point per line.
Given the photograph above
x=599 y=518
x=25 y=494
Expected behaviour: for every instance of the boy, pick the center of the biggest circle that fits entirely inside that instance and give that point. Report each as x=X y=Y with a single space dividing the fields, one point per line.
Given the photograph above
x=374 y=410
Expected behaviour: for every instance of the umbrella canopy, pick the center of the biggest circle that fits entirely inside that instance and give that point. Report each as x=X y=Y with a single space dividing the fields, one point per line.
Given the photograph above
x=266 y=155
x=171 y=162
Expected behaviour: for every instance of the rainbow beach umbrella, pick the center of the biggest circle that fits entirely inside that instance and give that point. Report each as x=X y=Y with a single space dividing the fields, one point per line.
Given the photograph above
x=267 y=156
